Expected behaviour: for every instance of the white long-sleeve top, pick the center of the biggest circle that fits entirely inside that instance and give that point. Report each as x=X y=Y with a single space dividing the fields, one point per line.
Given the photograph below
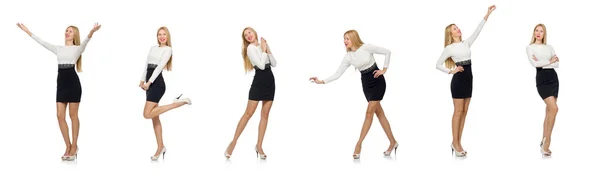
x=543 y=53
x=460 y=51
x=158 y=56
x=361 y=59
x=260 y=58
x=64 y=54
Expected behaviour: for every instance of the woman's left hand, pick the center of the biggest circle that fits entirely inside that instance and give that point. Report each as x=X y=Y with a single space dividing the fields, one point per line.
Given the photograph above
x=378 y=73
x=146 y=86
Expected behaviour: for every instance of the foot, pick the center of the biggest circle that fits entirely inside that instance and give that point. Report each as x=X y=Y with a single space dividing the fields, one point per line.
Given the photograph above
x=260 y=152
x=66 y=154
x=229 y=150
x=73 y=150
x=545 y=145
x=184 y=100
x=393 y=146
x=159 y=150
x=357 y=150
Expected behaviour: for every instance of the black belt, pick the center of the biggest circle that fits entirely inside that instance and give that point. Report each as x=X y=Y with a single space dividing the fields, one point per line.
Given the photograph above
x=65 y=66
x=266 y=66
x=370 y=69
x=463 y=63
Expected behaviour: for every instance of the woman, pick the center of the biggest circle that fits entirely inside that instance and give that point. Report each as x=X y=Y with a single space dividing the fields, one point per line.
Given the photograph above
x=256 y=56
x=542 y=57
x=457 y=59
x=153 y=83
x=360 y=56
x=68 y=86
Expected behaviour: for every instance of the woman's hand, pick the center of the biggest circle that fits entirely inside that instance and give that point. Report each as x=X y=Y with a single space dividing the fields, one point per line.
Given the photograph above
x=24 y=28
x=378 y=73
x=554 y=59
x=141 y=84
x=534 y=58
x=263 y=44
x=146 y=86
x=457 y=70
x=94 y=29
x=316 y=80
x=490 y=10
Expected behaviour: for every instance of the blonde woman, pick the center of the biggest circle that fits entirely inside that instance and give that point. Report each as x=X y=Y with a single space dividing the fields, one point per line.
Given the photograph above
x=68 y=86
x=258 y=57
x=456 y=60
x=542 y=57
x=360 y=55
x=152 y=82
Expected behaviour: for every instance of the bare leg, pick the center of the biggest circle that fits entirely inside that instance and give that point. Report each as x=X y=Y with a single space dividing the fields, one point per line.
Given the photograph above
x=74 y=114
x=158 y=133
x=456 y=117
x=61 y=114
x=262 y=127
x=366 y=125
x=250 y=108
x=385 y=124
x=152 y=110
x=550 y=118
x=462 y=119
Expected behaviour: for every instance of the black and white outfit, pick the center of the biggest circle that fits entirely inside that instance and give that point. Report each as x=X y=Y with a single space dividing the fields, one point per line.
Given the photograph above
x=157 y=60
x=263 y=85
x=363 y=60
x=546 y=79
x=460 y=52
x=68 y=86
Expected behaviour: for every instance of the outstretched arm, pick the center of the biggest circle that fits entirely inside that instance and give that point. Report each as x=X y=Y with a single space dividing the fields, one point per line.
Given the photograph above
x=341 y=69
x=51 y=47
x=475 y=34
x=85 y=41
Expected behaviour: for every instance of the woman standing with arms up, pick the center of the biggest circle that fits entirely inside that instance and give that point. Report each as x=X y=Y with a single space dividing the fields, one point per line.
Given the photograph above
x=152 y=82
x=256 y=56
x=542 y=57
x=68 y=86
x=360 y=56
x=457 y=60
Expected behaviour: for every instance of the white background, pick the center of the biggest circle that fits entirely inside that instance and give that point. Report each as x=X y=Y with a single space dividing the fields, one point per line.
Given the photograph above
x=312 y=127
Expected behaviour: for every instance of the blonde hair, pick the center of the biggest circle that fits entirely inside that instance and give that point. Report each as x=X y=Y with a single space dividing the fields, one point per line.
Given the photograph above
x=76 y=42
x=533 y=39
x=354 y=39
x=448 y=39
x=164 y=28
x=245 y=43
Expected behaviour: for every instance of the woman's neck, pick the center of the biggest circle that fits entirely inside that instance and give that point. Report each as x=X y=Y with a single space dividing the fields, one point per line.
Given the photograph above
x=537 y=41
x=69 y=43
x=455 y=40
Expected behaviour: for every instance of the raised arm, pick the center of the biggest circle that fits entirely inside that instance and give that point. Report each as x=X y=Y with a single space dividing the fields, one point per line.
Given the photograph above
x=534 y=61
x=85 y=41
x=51 y=47
x=257 y=57
x=473 y=36
x=166 y=56
x=379 y=50
x=341 y=69
x=440 y=63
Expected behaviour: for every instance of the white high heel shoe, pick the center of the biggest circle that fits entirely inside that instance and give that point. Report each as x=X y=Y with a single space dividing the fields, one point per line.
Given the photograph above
x=162 y=152
x=72 y=158
x=227 y=155
x=544 y=153
x=356 y=156
x=262 y=156
x=458 y=154
x=179 y=99
x=388 y=153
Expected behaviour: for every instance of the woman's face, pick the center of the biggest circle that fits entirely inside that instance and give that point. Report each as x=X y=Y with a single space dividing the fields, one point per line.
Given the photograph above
x=455 y=31
x=539 y=33
x=347 y=41
x=69 y=33
x=249 y=35
x=162 y=37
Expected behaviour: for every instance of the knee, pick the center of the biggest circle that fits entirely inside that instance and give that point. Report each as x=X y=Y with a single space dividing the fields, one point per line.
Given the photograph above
x=459 y=112
x=264 y=116
x=147 y=115
x=370 y=114
x=553 y=108
x=61 y=116
x=247 y=116
x=74 y=116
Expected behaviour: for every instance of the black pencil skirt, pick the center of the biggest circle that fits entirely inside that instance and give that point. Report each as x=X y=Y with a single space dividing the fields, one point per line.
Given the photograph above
x=546 y=81
x=263 y=85
x=157 y=88
x=373 y=88
x=461 y=85
x=68 y=86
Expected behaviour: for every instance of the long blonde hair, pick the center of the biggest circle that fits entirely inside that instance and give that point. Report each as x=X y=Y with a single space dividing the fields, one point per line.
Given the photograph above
x=354 y=38
x=245 y=43
x=533 y=39
x=448 y=39
x=169 y=63
x=76 y=42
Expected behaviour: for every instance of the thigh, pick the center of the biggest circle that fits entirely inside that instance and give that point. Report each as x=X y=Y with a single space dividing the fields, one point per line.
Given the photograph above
x=73 y=109
x=266 y=107
x=61 y=109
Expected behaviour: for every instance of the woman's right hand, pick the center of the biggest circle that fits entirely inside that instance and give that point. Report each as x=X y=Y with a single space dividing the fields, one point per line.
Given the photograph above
x=141 y=85
x=457 y=69
x=316 y=80
x=24 y=28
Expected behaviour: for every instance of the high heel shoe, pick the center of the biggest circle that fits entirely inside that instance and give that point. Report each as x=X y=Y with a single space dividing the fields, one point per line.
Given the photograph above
x=262 y=156
x=227 y=155
x=456 y=153
x=162 y=152
x=388 y=153
x=73 y=157
x=356 y=156
x=179 y=99
x=544 y=153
